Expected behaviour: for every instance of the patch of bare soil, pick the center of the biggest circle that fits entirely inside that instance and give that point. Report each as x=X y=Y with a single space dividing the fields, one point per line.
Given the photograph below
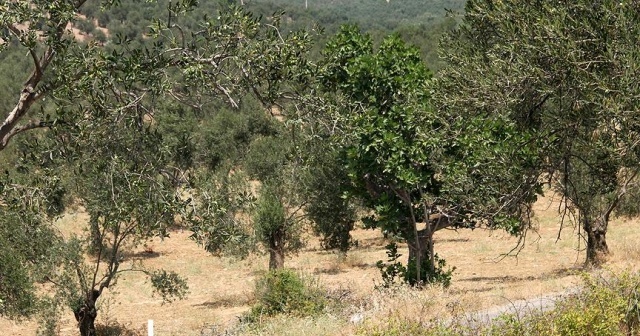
x=222 y=289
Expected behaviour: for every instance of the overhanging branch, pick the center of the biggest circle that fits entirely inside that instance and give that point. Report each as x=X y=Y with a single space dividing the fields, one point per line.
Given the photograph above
x=32 y=124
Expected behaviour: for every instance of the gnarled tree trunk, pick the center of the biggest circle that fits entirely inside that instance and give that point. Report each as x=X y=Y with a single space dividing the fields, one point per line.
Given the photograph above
x=86 y=315
x=276 y=250
x=276 y=259
x=596 y=231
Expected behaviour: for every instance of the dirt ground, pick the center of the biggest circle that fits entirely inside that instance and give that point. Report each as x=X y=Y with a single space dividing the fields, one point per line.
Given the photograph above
x=222 y=289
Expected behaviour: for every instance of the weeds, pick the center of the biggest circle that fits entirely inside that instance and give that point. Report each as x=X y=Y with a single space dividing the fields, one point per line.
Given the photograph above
x=606 y=306
x=394 y=271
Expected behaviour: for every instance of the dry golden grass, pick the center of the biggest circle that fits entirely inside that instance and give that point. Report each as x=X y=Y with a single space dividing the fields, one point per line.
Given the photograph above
x=222 y=289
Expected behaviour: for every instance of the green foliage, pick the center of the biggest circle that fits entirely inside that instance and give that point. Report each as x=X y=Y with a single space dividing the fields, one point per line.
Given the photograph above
x=391 y=140
x=601 y=310
x=274 y=227
x=438 y=276
x=269 y=214
x=370 y=15
x=286 y=292
x=215 y=217
x=393 y=271
x=13 y=66
x=267 y=158
x=169 y=285
x=98 y=143
x=227 y=135
x=329 y=209
x=562 y=74
x=29 y=244
x=384 y=142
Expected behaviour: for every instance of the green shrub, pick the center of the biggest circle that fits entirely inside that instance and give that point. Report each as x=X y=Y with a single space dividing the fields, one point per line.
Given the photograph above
x=393 y=270
x=438 y=276
x=286 y=292
x=600 y=310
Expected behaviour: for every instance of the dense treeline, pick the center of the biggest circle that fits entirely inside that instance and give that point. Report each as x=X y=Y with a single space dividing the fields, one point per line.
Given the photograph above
x=420 y=22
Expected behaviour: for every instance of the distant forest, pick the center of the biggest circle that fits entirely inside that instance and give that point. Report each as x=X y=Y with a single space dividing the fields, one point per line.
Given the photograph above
x=368 y=14
x=419 y=22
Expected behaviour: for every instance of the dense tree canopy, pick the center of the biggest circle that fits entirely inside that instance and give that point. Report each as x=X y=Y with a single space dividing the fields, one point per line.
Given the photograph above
x=418 y=169
x=565 y=74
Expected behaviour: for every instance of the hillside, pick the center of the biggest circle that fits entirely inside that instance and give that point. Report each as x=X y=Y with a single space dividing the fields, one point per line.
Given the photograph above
x=370 y=15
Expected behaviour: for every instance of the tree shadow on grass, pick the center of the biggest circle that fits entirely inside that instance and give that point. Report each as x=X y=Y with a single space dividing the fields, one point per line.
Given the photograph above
x=339 y=270
x=555 y=274
x=141 y=255
x=225 y=302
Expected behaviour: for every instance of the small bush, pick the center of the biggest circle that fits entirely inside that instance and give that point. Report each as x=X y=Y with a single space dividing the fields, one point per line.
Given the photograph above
x=438 y=276
x=393 y=270
x=286 y=292
x=600 y=310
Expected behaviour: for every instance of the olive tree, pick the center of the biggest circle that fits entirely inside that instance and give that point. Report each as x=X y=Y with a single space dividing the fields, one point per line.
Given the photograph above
x=564 y=74
x=96 y=107
x=264 y=65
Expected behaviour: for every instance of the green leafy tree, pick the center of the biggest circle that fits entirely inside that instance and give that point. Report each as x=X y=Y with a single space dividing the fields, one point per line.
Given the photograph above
x=564 y=75
x=417 y=170
x=325 y=189
x=95 y=108
x=252 y=201
x=387 y=151
x=277 y=229
x=273 y=69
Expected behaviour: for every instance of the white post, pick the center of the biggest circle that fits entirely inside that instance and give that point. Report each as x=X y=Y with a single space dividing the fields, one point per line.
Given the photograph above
x=150 y=327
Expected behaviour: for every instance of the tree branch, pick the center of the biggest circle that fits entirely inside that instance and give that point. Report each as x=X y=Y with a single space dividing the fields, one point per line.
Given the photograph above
x=32 y=124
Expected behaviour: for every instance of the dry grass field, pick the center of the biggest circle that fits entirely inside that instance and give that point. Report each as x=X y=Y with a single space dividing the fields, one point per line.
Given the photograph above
x=222 y=289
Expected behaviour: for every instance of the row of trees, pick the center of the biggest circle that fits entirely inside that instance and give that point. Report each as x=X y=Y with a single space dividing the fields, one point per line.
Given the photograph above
x=234 y=129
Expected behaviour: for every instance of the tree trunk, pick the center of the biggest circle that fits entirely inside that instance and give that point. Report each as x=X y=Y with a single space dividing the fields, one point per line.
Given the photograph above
x=86 y=315
x=431 y=254
x=423 y=254
x=436 y=222
x=597 y=249
x=424 y=251
x=276 y=251
x=276 y=259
